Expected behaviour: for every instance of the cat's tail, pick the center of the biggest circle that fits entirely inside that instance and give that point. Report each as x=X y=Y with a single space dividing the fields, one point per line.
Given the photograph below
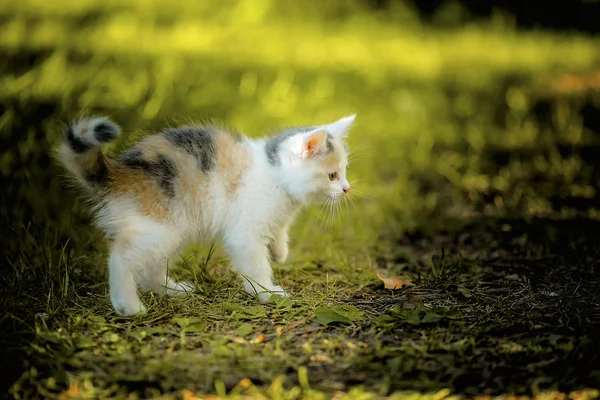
x=80 y=151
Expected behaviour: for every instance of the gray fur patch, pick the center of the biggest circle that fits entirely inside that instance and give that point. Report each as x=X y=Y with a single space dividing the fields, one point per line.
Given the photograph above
x=273 y=143
x=196 y=141
x=329 y=143
x=106 y=132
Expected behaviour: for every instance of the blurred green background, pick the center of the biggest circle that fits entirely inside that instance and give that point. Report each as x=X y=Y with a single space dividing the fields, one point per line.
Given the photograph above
x=455 y=117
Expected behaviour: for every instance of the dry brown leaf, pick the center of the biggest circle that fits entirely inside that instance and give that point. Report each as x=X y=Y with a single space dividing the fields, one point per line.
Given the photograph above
x=393 y=282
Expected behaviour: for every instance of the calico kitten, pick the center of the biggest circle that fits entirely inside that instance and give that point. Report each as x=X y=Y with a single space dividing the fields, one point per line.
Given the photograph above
x=202 y=182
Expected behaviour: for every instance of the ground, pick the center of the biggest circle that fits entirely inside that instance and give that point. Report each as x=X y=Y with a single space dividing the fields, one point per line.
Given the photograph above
x=466 y=263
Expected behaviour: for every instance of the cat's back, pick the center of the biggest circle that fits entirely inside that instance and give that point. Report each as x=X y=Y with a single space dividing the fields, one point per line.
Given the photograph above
x=207 y=149
x=191 y=163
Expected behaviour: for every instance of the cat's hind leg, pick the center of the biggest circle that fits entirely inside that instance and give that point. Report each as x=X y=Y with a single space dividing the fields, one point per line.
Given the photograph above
x=161 y=283
x=135 y=261
x=155 y=276
x=123 y=267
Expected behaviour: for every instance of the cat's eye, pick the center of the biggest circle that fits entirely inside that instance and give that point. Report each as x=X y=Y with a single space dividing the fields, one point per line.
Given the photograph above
x=333 y=176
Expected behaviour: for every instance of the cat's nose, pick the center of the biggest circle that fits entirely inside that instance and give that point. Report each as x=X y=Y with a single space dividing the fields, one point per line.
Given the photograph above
x=346 y=190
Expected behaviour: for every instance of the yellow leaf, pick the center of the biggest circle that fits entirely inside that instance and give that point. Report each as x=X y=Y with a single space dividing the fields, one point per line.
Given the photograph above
x=245 y=383
x=259 y=339
x=71 y=392
x=393 y=282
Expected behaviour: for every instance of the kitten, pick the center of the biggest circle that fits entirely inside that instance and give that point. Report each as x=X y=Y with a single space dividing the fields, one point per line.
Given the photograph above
x=201 y=182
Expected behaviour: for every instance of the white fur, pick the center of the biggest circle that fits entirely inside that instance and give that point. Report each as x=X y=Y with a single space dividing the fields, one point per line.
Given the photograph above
x=255 y=221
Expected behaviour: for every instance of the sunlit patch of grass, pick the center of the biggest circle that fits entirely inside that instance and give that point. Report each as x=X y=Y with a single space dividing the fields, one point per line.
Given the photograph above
x=448 y=126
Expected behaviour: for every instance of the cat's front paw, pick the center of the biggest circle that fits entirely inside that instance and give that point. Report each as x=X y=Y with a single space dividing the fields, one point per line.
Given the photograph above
x=280 y=252
x=128 y=308
x=264 y=296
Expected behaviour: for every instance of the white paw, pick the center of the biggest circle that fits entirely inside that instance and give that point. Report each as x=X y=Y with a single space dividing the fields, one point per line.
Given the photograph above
x=265 y=295
x=128 y=308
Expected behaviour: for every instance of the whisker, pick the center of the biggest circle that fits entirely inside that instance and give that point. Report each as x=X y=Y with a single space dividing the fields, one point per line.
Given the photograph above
x=360 y=146
x=333 y=212
x=356 y=154
x=352 y=201
x=328 y=214
x=347 y=201
x=356 y=180
x=321 y=213
x=361 y=195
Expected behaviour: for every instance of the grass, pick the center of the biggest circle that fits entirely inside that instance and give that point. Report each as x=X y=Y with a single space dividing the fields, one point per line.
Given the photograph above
x=477 y=171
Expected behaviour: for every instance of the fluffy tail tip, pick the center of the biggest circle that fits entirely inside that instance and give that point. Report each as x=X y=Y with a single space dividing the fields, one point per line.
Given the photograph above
x=86 y=133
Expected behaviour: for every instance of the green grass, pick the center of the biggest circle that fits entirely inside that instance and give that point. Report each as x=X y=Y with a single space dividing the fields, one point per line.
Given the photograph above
x=462 y=136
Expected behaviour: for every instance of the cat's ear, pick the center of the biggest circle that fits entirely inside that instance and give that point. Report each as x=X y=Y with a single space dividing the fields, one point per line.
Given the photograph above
x=314 y=143
x=339 y=129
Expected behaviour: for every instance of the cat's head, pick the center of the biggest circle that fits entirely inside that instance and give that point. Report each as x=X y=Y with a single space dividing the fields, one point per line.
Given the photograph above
x=314 y=161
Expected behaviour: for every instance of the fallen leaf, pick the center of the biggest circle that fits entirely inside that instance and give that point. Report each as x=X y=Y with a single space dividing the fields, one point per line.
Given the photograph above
x=343 y=313
x=430 y=317
x=351 y=312
x=190 y=324
x=248 y=312
x=412 y=317
x=244 y=329
x=393 y=282
x=280 y=301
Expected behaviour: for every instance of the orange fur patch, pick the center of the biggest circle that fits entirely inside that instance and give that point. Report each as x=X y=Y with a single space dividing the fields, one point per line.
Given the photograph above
x=142 y=187
x=314 y=142
x=234 y=159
